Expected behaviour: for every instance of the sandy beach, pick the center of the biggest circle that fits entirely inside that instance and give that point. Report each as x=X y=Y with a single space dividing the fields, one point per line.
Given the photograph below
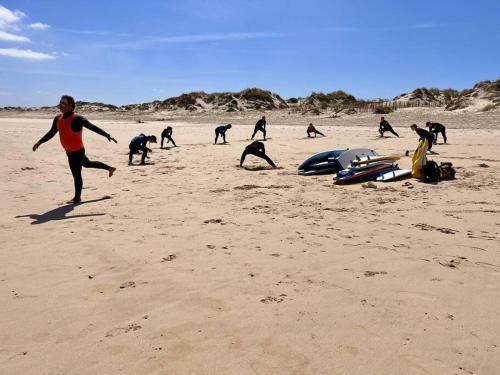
x=192 y=265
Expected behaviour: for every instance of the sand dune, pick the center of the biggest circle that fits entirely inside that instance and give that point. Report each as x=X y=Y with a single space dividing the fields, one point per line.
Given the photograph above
x=192 y=265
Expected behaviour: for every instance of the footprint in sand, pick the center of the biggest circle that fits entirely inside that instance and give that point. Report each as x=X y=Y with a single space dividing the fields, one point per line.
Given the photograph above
x=373 y=273
x=271 y=299
x=117 y=331
x=128 y=284
x=169 y=258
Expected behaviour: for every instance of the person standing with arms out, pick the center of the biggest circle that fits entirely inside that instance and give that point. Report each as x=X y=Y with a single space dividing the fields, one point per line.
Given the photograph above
x=256 y=148
x=386 y=127
x=436 y=128
x=167 y=133
x=423 y=134
x=221 y=130
x=312 y=129
x=260 y=126
x=70 y=127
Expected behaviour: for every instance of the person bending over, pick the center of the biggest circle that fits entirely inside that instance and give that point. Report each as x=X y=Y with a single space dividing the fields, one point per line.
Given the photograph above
x=167 y=133
x=70 y=127
x=436 y=128
x=423 y=134
x=312 y=129
x=138 y=145
x=256 y=148
x=386 y=127
x=260 y=126
x=221 y=130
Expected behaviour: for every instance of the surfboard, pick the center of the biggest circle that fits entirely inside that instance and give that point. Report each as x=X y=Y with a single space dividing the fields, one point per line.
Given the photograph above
x=394 y=175
x=320 y=157
x=378 y=158
x=348 y=156
x=364 y=175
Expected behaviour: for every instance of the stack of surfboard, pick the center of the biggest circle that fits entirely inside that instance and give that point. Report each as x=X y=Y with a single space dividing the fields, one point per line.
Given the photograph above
x=333 y=161
x=380 y=168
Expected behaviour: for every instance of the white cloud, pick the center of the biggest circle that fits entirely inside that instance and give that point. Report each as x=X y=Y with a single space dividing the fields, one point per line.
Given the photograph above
x=195 y=38
x=39 y=26
x=26 y=54
x=10 y=19
x=8 y=37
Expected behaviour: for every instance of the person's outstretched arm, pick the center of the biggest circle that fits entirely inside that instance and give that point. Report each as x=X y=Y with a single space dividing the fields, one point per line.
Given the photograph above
x=81 y=122
x=52 y=131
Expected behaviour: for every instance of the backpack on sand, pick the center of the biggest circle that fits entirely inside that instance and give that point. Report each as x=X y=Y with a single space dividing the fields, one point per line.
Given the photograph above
x=447 y=172
x=431 y=171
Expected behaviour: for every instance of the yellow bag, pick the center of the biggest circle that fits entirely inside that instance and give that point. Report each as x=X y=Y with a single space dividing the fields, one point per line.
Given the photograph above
x=419 y=159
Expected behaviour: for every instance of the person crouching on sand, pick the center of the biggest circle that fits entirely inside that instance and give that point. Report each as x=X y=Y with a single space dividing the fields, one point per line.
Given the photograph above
x=70 y=127
x=138 y=145
x=312 y=129
x=256 y=148
x=221 y=130
x=384 y=126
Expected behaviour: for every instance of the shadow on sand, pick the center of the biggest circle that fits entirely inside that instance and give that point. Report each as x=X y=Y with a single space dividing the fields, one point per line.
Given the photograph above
x=60 y=213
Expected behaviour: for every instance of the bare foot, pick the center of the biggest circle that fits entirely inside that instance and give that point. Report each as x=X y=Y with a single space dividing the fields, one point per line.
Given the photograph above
x=111 y=170
x=75 y=200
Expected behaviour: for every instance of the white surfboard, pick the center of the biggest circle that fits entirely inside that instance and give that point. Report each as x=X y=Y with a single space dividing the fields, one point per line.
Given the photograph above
x=348 y=156
x=394 y=175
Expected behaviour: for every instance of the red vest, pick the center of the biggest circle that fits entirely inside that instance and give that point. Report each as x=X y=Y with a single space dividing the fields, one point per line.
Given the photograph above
x=70 y=140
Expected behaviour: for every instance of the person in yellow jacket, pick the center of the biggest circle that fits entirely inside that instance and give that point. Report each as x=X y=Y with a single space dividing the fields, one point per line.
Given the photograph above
x=419 y=158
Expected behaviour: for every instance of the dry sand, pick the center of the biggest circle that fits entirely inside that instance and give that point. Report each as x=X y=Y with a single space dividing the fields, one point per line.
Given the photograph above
x=195 y=266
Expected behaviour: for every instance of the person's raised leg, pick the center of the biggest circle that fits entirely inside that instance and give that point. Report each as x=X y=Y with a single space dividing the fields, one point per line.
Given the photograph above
x=98 y=165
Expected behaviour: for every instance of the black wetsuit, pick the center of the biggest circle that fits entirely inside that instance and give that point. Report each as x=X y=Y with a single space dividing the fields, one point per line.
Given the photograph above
x=167 y=133
x=260 y=126
x=137 y=145
x=78 y=159
x=312 y=129
x=220 y=130
x=386 y=127
x=256 y=148
x=424 y=134
x=437 y=128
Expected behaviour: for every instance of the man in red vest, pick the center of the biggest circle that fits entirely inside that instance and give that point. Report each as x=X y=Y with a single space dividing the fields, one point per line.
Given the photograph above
x=70 y=127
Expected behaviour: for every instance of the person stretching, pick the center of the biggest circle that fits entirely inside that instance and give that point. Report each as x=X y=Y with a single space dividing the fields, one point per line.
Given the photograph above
x=260 y=126
x=70 y=127
x=312 y=129
x=221 y=130
x=423 y=134
x=386 y=127
x=256 y=148
x=167 y=133
x=436 y=128
x=138 y=144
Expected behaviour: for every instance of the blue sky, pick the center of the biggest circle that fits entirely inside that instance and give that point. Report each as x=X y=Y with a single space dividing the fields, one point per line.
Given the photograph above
x=124 y=51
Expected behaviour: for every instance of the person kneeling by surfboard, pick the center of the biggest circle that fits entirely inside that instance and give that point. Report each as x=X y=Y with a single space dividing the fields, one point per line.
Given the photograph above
x=138 y=144
x=312 y=129
x=221 y=130
x=256 y=148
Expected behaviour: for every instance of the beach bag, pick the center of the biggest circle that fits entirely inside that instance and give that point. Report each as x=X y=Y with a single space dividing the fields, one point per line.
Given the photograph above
x=431 y=172
x=447 y=172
